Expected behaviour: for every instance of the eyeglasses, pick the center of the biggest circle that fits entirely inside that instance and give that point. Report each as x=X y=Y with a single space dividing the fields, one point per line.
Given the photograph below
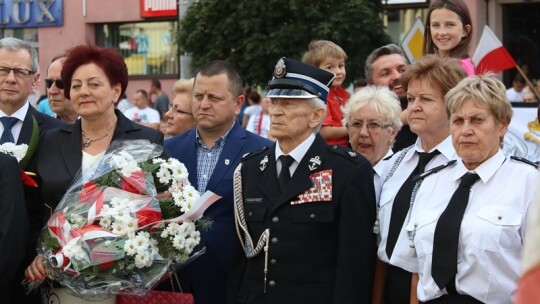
x=19 y=73
x=371 y=126
x=177 y=111
x=58 y=82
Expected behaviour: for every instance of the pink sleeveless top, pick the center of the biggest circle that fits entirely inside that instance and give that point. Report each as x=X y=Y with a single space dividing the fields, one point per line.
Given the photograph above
x=468 y=66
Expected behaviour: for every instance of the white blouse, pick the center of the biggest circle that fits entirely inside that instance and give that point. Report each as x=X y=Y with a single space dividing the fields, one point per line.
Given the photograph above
x=492 y=230
x=393 y=179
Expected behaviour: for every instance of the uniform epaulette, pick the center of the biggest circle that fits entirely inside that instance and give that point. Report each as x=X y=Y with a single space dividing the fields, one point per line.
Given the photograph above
x=524 y=160
x=388 y=157
x=432 y=170
x=251 y=154
x=404 y=149
x=348 y=153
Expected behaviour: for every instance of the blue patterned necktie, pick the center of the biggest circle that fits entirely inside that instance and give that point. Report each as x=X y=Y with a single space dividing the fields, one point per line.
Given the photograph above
x=8 y=123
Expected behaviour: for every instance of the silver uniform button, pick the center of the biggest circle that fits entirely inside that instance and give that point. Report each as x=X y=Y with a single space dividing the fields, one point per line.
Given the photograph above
x=250 y=213
x=275 y=240
x=312 y=216
x=272 y=283
x=275 y=219
x=273 y=261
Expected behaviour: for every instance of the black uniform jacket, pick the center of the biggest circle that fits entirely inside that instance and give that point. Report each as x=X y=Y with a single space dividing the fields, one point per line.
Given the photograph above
x=319 y=251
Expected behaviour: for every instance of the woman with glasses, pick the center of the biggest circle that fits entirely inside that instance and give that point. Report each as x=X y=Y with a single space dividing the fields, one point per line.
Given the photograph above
x=372 y=118
x=426 y=83
x=179 y=117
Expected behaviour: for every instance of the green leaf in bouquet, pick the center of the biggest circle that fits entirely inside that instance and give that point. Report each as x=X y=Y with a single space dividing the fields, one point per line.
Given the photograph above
x=49 y=243
x=204 y=223
x=168 y=209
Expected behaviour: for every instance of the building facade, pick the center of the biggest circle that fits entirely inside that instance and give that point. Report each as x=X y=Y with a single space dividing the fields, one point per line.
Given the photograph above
x=142 y=30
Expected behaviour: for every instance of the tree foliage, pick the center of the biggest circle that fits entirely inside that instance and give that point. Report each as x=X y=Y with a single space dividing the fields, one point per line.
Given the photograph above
x=254 y=34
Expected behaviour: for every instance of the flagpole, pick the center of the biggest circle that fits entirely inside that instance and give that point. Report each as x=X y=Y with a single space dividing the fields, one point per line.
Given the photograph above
x=529 y=83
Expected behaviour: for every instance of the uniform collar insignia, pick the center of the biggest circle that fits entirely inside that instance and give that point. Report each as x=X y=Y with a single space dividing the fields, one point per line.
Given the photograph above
x=263 y=163
x=315 y=162
x=280 y=70
x=352 y=153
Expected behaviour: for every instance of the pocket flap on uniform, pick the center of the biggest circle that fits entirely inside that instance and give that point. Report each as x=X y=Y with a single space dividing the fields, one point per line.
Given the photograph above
x=254 y=213
x=421 y=220
x=313 y=213
x=500 y=215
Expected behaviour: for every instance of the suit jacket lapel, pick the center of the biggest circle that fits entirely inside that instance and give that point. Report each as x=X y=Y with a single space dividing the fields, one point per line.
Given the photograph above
x=301 y=181
x=229 y=156
x=26 y=130
x=123 y=126
x=189 y=157
x=70 y=149
x=269 y=185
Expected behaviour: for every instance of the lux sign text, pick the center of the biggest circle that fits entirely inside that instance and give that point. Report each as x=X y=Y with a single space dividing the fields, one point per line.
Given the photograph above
x=30 y=13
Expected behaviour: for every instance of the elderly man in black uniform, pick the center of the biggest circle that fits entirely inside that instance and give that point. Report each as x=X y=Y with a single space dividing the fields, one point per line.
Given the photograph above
x=304 y=210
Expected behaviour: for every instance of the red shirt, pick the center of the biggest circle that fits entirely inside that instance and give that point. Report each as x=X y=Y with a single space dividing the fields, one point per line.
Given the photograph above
x=337 y=97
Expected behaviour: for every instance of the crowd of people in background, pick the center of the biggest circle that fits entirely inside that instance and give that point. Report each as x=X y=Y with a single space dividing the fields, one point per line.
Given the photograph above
x=394 y=191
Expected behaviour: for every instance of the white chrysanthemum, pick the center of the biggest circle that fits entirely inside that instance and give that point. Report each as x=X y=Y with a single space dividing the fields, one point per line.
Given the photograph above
x=142 y=240
x=74 y=251
x=164 y=175
x=158 y=160
x=119 y=228
x=186 y=198
x=124 y=162
x=179 y=242
x=17 y=151
x=132 y=225
x=106 y=211
x=120 y=203
x=179 y=171
x=142 y=260
x=77 y=220
x=129 y=247
x=105 y=222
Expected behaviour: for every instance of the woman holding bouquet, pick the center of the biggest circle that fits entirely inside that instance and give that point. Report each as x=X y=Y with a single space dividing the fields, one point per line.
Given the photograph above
x=93 y=78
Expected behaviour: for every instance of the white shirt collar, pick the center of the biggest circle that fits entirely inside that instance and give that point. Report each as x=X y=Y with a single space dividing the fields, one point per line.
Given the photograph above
x=20 y=113
x=379 y=167
x=486 y=169
x=445 y=147
x=297 y=153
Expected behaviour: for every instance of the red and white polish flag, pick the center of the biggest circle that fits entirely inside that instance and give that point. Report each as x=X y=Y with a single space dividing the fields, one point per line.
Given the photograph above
x=491 y=55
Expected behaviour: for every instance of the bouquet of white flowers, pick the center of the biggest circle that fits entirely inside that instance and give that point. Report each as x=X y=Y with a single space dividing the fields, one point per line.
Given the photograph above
x=121 y=224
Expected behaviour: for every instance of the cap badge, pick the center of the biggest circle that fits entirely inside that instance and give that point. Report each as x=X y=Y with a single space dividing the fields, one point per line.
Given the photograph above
x=263 y=163
x=280 y=70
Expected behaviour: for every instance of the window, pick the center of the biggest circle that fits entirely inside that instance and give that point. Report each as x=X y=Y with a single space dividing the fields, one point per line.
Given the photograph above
x=148 y=47
x=26 y=34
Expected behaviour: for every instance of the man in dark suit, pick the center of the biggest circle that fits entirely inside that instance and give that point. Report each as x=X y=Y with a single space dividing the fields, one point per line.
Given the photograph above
x=21 y=123
x=306 y=209
x=13 y=224
x=211 y=152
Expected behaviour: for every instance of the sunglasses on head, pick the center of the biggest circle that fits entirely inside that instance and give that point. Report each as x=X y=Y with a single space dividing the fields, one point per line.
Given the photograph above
x=58 y=82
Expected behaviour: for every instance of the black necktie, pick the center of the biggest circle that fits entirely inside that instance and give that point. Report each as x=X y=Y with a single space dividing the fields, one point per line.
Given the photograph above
x=446 y=238
x=8 y=123
x=285 y=175
x=403 y=200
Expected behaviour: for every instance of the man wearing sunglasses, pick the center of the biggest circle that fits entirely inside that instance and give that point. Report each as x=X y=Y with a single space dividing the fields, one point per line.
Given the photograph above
x=18 y=76
x=60 y=105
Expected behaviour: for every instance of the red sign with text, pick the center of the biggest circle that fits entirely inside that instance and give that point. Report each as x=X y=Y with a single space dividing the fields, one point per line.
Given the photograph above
x=159 y=8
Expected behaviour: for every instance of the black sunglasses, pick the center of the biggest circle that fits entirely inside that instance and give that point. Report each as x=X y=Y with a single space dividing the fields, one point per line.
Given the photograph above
x=58 y=82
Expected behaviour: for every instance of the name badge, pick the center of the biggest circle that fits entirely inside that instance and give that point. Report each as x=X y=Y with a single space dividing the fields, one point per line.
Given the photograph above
x=257 y=200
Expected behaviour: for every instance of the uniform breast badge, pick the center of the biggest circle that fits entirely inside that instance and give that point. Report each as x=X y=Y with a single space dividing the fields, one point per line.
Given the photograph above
x=263 y=163
x=321 y=191
x=315 y=163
